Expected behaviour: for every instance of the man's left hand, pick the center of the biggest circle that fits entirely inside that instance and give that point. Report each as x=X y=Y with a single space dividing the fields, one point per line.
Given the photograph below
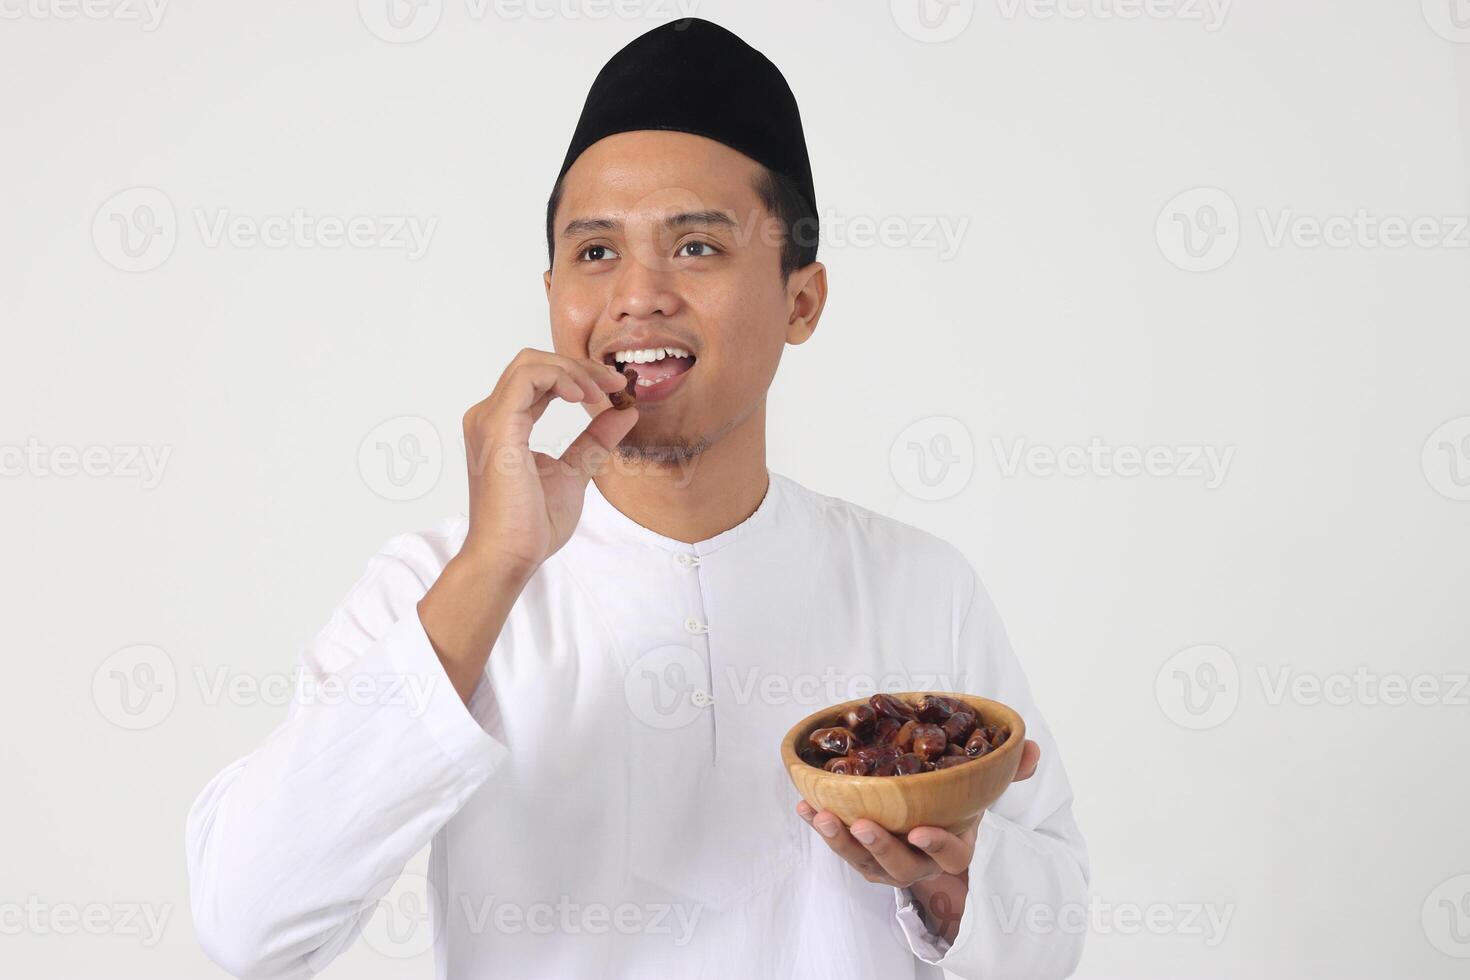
x=930 y=854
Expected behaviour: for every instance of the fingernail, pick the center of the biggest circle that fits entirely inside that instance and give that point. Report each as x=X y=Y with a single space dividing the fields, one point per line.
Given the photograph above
x=828 y=828
x=804 y=811
x=865 y=835
x=925 y=842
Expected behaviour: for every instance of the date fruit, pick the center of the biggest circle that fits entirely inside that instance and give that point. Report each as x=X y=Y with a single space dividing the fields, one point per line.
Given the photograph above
x=888 y=706
x=833 y=741
x=629 y=394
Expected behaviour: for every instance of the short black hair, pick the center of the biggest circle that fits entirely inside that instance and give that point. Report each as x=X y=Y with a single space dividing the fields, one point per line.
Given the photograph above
x=778 y=193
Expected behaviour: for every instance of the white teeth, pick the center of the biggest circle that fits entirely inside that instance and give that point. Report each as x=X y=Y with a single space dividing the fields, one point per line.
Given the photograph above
x=647 y=355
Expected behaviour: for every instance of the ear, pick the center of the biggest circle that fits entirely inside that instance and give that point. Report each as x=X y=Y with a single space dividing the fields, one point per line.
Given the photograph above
x=807 y=295
x=546 y=278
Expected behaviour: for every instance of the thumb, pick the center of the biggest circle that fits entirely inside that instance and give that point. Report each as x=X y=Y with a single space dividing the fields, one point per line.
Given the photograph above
x=1030 y=756
x=589 y=452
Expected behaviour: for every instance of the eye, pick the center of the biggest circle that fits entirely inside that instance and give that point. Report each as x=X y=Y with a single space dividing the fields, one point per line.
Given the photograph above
x=700 y=248
x=595 y=253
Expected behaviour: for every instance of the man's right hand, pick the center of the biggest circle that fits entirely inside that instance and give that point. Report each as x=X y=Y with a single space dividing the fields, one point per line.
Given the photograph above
x=524 y=505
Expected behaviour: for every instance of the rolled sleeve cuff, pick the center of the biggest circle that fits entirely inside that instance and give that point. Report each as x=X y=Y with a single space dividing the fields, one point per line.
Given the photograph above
x=409 y=658
x=926 y=945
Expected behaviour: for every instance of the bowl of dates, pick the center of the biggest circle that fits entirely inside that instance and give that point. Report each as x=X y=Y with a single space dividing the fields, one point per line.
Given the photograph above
x=906 y=760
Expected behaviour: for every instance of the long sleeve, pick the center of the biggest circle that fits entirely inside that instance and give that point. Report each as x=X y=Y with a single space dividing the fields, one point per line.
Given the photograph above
x=1028 y=880
x=290 y=848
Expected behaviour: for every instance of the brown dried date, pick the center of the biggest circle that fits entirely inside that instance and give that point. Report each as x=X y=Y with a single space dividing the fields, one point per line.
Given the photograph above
x=904 y=737
x=958 y=726
x=978 y=744
x=888 y=706
x=843 y=766
x=936 y=708
x=875 y=757
x=885 y=730
x=995 y=735
x=833 y=741
x=861 y=720
x=811 y=756
x=929 y=742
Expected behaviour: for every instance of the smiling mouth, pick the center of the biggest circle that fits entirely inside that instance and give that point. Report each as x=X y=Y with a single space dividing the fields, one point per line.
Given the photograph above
x=654 y=365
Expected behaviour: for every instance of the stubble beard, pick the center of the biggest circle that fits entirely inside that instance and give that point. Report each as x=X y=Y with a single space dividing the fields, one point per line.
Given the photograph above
x=663 y=452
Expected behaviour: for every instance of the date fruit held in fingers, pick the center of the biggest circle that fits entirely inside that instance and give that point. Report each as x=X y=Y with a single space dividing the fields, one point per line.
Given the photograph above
x=626 y=397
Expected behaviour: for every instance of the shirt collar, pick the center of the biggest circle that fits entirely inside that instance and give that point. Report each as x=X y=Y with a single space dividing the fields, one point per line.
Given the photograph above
x=599 y=514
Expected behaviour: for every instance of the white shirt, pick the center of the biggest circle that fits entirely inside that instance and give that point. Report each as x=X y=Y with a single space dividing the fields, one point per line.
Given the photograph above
x=612 y=803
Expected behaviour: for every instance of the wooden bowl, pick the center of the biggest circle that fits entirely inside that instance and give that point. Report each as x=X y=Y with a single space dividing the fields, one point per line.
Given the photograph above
x=951 y=798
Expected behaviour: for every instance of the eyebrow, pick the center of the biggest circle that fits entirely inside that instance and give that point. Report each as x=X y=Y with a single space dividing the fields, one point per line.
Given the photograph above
x=685 y=219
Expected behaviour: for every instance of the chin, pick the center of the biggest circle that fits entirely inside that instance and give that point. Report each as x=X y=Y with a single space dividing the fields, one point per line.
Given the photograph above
x=660 y=450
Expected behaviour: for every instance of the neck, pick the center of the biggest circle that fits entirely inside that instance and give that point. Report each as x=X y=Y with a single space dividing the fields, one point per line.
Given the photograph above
x=701 y=497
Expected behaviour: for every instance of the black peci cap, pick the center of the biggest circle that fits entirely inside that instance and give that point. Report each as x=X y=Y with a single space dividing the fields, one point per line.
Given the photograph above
x=693 y=76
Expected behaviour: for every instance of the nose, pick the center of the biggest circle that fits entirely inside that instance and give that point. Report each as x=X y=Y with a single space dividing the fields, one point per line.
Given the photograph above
x=642 y=289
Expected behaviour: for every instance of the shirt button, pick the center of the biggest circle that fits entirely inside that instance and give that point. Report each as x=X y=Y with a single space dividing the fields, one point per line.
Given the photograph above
x=688 y=561
x=702 y=699
x=692 y=625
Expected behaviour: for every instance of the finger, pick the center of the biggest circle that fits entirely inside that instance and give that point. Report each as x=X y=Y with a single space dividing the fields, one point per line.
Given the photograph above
x=598 y=379
x=837 y=837
x=612 y=371
x=952 y=854
x=902 y=863
x=530 y=386
x=1030 y=756
x=595 y=377
x=589 y=452
x=493 y=422
x=591 y=378
x=532 y=363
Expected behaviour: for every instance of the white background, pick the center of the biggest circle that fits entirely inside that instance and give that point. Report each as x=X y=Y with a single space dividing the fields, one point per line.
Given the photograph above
x=1331 y=835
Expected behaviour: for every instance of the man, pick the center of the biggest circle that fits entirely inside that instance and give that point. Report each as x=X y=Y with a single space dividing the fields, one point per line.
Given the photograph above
x=577 y=693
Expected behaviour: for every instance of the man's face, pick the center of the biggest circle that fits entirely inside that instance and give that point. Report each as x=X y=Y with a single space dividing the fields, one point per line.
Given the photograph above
x=662 y=241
